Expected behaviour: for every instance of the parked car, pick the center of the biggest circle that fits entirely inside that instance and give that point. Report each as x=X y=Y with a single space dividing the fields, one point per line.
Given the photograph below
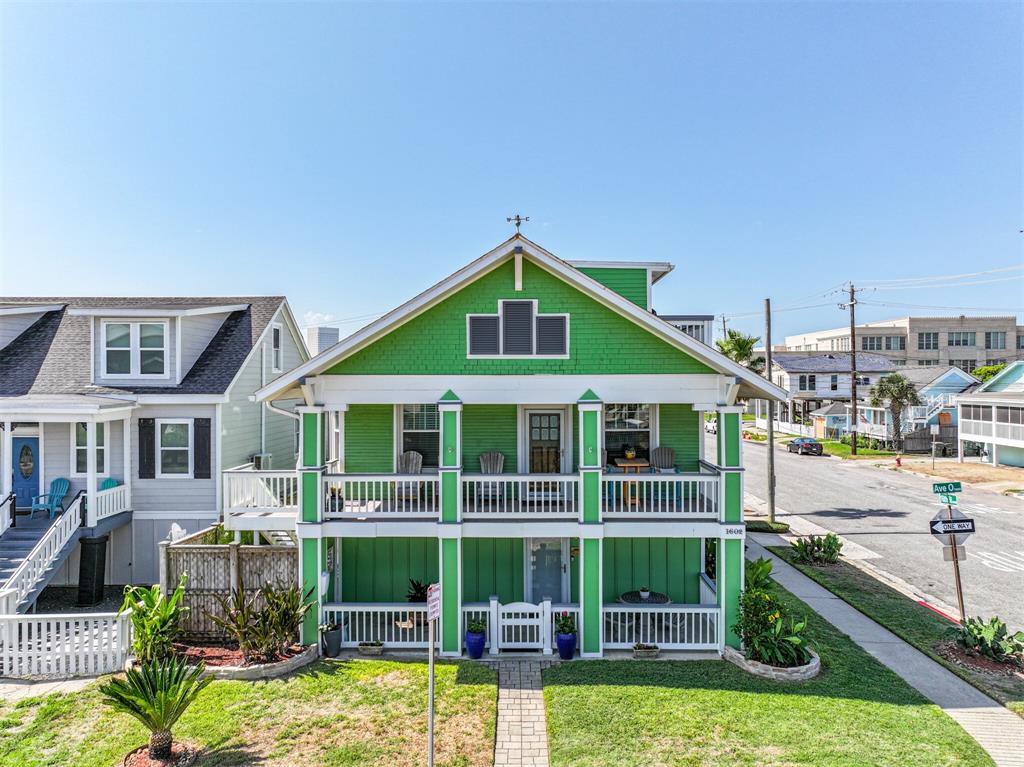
x=804 y=446
x=711 y=427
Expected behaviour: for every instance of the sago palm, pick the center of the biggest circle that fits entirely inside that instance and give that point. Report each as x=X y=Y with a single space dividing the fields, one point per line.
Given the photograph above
x=739 y=347
x=157 y=694
x=896 y=393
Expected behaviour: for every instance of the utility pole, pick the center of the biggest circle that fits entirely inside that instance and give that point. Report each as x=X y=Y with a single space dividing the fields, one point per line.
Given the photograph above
x=853 y=370
x=771 y=410
x=725 y=335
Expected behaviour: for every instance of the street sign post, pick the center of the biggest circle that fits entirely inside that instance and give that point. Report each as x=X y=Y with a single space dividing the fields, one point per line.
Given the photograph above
x=433 y=614
x=948 y=500
x=952 y=527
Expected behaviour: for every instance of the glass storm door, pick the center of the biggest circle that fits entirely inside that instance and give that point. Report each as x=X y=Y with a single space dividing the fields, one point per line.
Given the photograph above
x=25 y=466
x=545 y=570
x=545 y=442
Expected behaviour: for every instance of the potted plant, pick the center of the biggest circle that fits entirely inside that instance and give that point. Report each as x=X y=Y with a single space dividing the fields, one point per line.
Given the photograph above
x=376 y=647
x=476 y=635
x=417 y=594
x=630 y=452
x=330 y=636
x=565 y=636
x=157 y=694
x=645 y=592
x=642 y=651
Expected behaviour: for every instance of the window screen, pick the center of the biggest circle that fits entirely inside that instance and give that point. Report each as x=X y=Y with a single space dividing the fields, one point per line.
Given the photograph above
x=517 y=333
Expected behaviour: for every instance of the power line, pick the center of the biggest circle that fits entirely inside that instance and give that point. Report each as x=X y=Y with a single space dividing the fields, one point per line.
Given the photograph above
x=344 y=320
x=901 y=305
x=943 y=277
x=948 y=284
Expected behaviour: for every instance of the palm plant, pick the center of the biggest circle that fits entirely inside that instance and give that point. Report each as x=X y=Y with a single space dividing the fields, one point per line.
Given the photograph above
x=739 y=347
x=896 y=393
x=157 y=694
x=156 y=621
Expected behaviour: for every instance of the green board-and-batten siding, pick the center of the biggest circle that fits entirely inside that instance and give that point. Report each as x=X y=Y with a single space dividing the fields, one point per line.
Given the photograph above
x=600 y=340
x=379 y=569
x=486 y=428
x=679 y=428
x=369 y=439
x=669 y=565
x=492 y=566
x=628 y=283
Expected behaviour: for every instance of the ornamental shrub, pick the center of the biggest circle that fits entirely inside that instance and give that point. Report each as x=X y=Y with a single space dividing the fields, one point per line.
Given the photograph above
x=992 y=639
x=817 y=550
x=156 y=621
x=759 y=611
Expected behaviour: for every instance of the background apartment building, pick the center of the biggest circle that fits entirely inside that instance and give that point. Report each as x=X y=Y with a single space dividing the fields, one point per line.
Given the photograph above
x=966 y=342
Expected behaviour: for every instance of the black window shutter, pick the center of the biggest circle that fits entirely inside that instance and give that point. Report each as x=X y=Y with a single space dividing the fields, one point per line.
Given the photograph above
x=551 y=335
x=147 y=448
x=201 y=455
x=483 y=335
x=517 y=333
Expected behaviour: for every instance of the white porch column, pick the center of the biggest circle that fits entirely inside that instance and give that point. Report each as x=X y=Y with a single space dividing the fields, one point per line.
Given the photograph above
x=126 y=442
x=6 y=464
x=90 y=486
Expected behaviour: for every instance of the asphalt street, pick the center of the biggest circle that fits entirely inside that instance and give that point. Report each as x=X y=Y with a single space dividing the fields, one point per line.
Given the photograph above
x=888 y=513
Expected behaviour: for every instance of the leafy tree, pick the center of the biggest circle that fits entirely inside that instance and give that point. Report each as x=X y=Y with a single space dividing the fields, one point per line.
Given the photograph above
x=987 y=372
x=896 y=393
x=739 y=347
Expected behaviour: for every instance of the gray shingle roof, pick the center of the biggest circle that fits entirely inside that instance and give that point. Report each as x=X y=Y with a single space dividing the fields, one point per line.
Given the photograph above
x=53 y=356
x=831 y=362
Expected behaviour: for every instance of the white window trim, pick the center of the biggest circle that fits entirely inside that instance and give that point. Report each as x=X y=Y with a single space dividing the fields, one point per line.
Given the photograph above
x=276 y=354
x=400 y=430
x=134 y=349
x=75 y=447
x=191 y=448
x=654 y=426
x=500 y=314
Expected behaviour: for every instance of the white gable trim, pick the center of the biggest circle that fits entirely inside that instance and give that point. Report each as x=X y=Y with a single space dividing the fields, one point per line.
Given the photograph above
x=551 y=263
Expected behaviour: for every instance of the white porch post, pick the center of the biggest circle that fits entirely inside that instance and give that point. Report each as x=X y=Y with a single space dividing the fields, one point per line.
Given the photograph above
x=126 y=443
x=493 y=629
x=90 y=486
x=6 y=464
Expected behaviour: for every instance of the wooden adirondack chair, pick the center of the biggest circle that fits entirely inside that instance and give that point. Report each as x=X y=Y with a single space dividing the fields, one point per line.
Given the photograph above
x=409 y=462
x=663 y=460
x=108 y=484
x=51 y=501
x=491 y=462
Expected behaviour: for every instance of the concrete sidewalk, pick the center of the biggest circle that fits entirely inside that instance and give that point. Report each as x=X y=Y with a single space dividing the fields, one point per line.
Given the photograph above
x=997 y=729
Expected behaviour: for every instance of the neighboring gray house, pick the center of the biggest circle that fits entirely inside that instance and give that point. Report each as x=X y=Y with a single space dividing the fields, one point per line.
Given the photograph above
x=140 y=403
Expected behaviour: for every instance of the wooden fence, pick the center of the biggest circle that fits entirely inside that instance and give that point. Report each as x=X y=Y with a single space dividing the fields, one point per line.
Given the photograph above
x=920 y=441
x=214 y=570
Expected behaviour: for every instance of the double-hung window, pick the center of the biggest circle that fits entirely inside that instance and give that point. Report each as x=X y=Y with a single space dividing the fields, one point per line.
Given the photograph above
x=275 y=348
x=134 y=349
x=808 y=382
x=80 y=451
x=871 y=343
x=928 y=341
x=174 y=443
x=627 y=425
x=517 y=330
x=421 y=431
x=995 y=339
x=961 y=338
x=833 y=383
x=967 y=365
x=895 y=343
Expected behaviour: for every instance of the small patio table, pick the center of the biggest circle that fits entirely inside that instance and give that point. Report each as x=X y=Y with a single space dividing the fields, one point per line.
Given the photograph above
x=656 y=598
x=631 y=465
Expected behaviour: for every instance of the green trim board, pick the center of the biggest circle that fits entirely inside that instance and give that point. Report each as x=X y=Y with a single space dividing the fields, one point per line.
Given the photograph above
x=379 y=569
x=733 y=581
x=310 y=584
x=590 y=599
x=310 y=496
x=310 y=442
x=434 y=342
x=451 y=640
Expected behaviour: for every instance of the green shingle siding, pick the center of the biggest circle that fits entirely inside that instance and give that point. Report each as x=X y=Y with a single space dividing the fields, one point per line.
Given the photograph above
x=600 y=341
x=679 y=428
x=379 y=569
x=486 y=428
x=492 y=566
x=369 y=439
x=628 y=283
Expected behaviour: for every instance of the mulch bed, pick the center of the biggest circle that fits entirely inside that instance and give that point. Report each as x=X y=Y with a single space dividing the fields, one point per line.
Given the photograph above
x=953 y=652
x=218 y=655
x=182 y=755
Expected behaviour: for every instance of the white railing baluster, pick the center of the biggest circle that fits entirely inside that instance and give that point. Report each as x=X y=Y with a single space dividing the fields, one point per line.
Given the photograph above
x=671 y=627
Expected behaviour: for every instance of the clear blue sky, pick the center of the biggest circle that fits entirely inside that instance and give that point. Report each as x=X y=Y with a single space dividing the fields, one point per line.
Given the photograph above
x=351 y=155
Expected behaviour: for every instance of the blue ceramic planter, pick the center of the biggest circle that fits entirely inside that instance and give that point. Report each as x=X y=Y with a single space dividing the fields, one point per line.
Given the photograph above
x=475 y=645
x=566 y=646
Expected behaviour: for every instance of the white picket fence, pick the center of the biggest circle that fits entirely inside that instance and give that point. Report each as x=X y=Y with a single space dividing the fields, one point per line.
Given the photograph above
x=380 y=494
x=111 y=501
x=671 y=627
x=488 y=495
x=693 y=496
x=43 y=554
x=261 y=490
x=82 y=644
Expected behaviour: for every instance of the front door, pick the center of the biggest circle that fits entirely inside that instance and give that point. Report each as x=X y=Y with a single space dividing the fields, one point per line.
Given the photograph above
x=26 y=468
x=546 y=570
x=544 y=438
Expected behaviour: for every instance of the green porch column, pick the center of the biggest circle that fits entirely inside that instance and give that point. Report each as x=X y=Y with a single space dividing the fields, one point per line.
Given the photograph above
x=450 y=556
x=730 y=551
x=591 y=537
x=311 y=505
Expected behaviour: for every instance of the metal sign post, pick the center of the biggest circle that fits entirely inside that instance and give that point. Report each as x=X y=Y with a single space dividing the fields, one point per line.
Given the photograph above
x=433 y=613
x=953 y=526
x=956 y=576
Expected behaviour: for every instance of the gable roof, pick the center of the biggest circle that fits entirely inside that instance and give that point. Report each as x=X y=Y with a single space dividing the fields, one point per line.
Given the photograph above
x=831 y=362
x=926 y=375
x=54 y=355
x=1010 y=378
x=750 y=384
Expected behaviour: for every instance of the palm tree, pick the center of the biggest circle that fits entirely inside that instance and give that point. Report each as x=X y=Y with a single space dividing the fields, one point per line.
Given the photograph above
x=739 y=347
x=157 y=694
x=897 y=394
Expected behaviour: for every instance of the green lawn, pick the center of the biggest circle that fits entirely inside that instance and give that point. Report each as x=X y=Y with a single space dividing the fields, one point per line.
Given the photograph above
x=764 y=526
x=335 y=713
x=842 y=450
x=857 y=712
x=909 y=620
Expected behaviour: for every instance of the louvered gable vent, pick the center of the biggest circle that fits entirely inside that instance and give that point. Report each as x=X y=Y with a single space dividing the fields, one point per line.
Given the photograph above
x=517 y=333
x=518 y=330
x=483 y=335
x=551 y=335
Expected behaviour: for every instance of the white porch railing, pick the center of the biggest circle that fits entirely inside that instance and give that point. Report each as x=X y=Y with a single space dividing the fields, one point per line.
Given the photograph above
x=248 y=489
x=43 y=554
x=396 y=624
x=708 y=590
x=1013 y=431
x=111 y=501
x=975 y=428
x=367 y=495
x=671 y=627
x=489 y=495
x=694 y=496
x=71 y=645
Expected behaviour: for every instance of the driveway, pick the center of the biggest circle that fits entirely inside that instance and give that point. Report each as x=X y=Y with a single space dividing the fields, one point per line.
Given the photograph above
x=887 y=513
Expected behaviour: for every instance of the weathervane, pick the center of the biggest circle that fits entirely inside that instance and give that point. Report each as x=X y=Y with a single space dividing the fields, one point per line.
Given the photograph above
x=517 y=220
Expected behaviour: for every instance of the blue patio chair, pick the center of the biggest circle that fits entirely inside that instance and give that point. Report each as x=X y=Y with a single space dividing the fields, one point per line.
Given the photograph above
x=51 y=501
x=108 y=483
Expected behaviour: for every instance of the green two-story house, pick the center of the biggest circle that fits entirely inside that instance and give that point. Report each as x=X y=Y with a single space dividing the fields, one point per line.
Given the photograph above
x=528 y=434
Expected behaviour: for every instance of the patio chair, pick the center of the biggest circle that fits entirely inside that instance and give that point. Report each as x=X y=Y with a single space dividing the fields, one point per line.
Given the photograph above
x=663 y=460
x=409 y=462
x=109 y=483
x=492 y=462
x=51 y=501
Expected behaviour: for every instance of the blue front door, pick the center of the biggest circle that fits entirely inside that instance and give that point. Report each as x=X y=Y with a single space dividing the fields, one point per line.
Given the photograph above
x=26 y=468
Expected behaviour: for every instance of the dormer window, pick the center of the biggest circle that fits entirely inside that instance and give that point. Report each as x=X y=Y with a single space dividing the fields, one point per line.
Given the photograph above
x=518 y=331
x=134 y=349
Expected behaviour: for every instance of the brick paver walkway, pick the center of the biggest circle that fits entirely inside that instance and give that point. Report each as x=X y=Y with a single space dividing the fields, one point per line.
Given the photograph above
x=522 y=737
